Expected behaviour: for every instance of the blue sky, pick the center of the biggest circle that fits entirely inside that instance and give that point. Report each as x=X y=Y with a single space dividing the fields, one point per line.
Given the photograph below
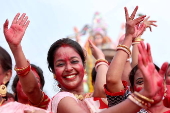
x=54 y=19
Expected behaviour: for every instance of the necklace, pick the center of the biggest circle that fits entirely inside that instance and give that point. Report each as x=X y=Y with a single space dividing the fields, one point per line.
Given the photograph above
x=82 y=97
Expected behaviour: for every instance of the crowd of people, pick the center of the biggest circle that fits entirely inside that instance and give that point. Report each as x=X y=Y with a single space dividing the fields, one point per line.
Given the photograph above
x=120 y=86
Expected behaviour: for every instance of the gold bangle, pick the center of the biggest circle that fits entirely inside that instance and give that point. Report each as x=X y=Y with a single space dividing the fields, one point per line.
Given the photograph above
x=143 y=97
x=124 y=46
x=138 y=39
x=141 y=101
x=136 y=102
x=125 y=50
x=136 y=42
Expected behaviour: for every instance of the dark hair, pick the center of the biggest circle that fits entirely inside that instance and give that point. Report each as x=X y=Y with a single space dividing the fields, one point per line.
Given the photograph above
x=16 y=79
x=93 y=74
x=56 y=45
x=9 y=95
x=133 y=72
x=5 y=61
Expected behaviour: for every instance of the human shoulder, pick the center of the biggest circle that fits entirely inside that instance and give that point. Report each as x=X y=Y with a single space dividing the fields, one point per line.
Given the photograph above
x=61 y=97
x=70 y=105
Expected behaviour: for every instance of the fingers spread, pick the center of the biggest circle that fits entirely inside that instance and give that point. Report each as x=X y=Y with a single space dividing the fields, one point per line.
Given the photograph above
x=134 y=13
x=15 y=18
x=26 y=24
x=146 y=19
x=153 y=24
x=23 y=21
x=21 y=18
x=149 y=53
x=150 y=28
x=138 y=20
x=163 y=69
x=126 y=14
x=143 y=53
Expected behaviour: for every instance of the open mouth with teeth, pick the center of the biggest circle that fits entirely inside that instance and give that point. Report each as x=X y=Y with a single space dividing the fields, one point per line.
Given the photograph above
x=70 y=76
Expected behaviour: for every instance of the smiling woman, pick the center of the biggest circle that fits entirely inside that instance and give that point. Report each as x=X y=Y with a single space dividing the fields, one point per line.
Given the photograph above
x=68 y=66
x=66 y=59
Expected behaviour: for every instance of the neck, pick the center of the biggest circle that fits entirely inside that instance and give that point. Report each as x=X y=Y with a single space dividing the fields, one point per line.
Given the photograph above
x=158 y=108
x=78 y=90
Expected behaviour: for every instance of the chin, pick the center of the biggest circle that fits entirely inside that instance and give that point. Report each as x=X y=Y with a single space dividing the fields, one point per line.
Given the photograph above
x=73 y=86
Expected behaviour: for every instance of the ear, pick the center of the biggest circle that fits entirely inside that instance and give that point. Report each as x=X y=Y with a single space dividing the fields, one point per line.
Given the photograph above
x=8 y=75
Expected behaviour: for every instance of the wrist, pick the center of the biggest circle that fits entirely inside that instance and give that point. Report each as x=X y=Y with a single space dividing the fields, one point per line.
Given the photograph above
x=15 y=47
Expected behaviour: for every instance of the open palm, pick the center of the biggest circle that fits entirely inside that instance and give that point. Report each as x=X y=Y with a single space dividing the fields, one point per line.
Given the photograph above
x=153 y=80
x=15 y=33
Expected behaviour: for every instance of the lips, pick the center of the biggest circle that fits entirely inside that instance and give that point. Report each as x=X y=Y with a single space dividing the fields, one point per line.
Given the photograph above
x=70 y=76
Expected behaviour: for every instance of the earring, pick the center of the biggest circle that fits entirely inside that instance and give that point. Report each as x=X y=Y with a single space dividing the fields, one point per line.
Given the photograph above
x=54 y=76
x=3 y=88
x=165 y=93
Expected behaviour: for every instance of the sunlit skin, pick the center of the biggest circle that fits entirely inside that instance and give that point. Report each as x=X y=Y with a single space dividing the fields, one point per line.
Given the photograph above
x=68 y=69
x=22 y=98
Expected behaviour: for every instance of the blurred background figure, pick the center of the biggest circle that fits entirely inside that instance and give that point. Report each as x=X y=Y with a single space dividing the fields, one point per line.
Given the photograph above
x=97 y=32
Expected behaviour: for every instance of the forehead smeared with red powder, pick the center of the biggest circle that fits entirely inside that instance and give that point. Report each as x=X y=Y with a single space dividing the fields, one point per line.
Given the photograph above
x=65 y=45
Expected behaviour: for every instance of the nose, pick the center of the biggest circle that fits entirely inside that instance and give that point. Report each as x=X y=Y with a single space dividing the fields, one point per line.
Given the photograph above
x=69 y=67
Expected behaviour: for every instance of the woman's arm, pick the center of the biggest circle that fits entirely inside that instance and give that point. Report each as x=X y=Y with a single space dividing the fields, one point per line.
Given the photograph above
x=147 y=24
x=115 y=71
x=13 y=37
x=101 y=70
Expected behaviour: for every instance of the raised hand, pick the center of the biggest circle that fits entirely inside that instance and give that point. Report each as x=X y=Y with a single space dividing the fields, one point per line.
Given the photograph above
x=96 y=52
x=145 y=24
x=153 y=80
x=131 y=22
x=148 y=23
x=17 y=30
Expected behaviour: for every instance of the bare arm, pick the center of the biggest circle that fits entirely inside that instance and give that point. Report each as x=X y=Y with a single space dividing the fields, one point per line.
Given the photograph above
x=69 y=105
x=147 y=24
x=101 y=72
x=115 y=71
x=13 y=37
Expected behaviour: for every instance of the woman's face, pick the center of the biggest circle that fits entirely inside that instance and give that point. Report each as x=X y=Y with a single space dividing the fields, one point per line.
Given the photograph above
x=138 y=81
x=68 y=68
x=20 y=93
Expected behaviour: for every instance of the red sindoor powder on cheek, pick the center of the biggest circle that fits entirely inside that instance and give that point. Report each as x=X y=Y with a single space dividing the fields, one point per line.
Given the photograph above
x=137 y=88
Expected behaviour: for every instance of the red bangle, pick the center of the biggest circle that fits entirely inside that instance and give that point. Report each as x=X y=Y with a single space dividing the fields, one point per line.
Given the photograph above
x=43 y=103
x=23 y=71
x=101 y=60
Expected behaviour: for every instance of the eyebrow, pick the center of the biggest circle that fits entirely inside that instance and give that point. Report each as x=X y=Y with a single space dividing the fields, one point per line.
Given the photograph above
x=138 y=79
x=63 y=60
